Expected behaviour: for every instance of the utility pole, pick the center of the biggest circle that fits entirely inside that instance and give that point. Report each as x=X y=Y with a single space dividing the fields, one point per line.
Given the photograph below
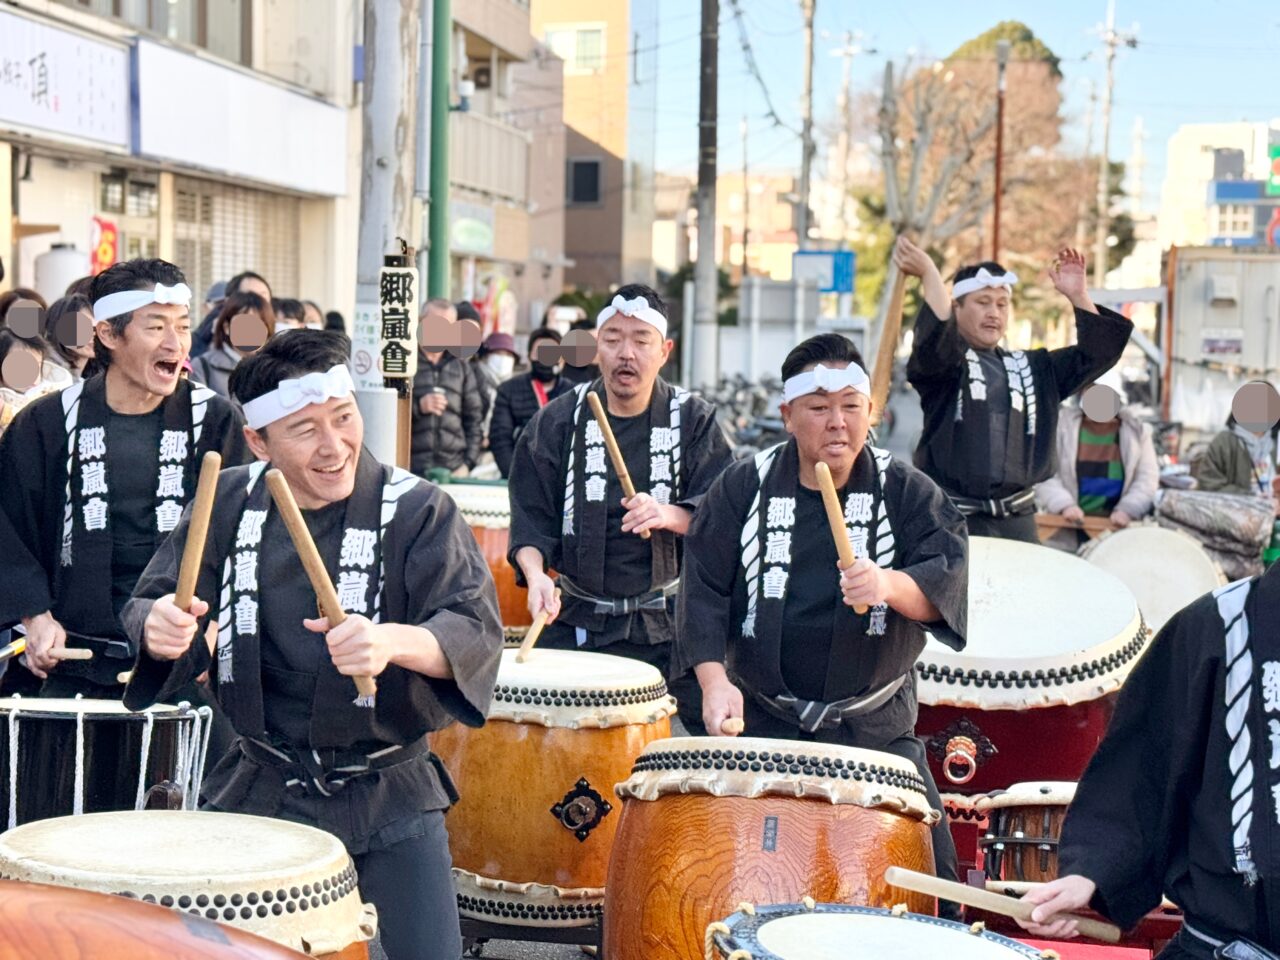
x=844 y=144
x=746 y=203
x=438 y=216
x=706 y=332
x=1088 y=152
x=1112 y=39
x=806 y=129
x=1002 y=62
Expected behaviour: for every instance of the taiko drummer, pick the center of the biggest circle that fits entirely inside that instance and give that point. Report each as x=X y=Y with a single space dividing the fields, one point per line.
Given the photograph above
x=422 y=618
x=769 y=621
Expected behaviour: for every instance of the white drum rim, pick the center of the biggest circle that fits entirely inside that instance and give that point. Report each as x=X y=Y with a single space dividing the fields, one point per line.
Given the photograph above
x=482 y=505
x=551 y=693
x=744 y=930
x=70 y=708
x=1032 y=793
x=526 y=904
x=972 y=679
x=745 y=767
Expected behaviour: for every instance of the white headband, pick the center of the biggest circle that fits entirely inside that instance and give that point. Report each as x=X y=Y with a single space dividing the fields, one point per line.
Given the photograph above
x=830 y=379
x=638 y=308
x=127 y=301
x=292 y=395
x=981 y=280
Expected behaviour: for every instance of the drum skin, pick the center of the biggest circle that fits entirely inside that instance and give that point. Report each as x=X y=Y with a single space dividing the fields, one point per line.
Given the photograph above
x=683 y=861
x=510 y=775
x=512 y=602
x=1044 y=743
x=39 y=922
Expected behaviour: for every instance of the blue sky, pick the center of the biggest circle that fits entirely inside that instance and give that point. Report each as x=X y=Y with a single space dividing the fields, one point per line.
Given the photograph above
x=1197 y=61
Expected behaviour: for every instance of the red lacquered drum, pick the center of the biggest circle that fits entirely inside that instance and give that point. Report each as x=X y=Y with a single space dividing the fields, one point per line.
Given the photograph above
x=1051 y=639
x=283 y=881
x=39 y=922
x=710 y=822
x=487 y=509
x=532 y=835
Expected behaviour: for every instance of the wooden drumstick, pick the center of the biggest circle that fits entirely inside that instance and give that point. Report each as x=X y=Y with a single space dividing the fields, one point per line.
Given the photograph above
x=615 y=454
x=316 y=573
x=535 y=631
x=834 y=517
x=732 y=726
x=72 y=653
x=991 y=902
x=882 y=374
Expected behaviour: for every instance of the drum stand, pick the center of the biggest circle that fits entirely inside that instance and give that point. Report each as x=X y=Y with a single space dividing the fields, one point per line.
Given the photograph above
x=476 y=933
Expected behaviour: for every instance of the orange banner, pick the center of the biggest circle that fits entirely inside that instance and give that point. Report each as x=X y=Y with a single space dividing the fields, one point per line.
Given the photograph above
x=106 y=245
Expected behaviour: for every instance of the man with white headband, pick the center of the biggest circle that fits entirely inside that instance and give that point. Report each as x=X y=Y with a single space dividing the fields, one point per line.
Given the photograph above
x=768 y=620
x=95 y=477
x=991 y=414
x=568 y=510
x=422 y=619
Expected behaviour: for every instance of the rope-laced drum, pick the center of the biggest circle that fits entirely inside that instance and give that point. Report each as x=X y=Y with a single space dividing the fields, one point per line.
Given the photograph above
x=60 y=757
x=795 y=931
x=1024 y=825
x=487 y=509
x=1165 y=569
x=284 y=881
x=709 y=822
x=1051 y=638
x=532 y=834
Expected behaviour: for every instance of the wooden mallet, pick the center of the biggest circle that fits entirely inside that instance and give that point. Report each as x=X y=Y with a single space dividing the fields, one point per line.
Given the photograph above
x=197 y=533
x=316 y=573
x=732 y=726
x=620 y=465
x=839 y=532
x=991 y=902
x=535 y=631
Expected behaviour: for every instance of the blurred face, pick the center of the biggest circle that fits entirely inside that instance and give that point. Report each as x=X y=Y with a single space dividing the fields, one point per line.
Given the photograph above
x=21 y=368
x=148 y=354
x=312 y=317
x=831 y=427
x=983 y=316
x=630 y=352
x=247 y=332
x=316 y=448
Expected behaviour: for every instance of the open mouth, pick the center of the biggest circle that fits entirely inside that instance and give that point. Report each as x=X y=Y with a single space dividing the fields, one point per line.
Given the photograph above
x=332 y=472
x=167 y=368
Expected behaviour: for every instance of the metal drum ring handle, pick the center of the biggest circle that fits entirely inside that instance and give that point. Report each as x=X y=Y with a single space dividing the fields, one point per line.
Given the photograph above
x=963 y=753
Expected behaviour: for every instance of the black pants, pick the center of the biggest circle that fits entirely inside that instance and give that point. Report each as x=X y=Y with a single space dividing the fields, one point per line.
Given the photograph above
x=1184 y=946
x=1004 y=528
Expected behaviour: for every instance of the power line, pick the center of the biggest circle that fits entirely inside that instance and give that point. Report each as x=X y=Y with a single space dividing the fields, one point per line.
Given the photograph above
x=754 y=69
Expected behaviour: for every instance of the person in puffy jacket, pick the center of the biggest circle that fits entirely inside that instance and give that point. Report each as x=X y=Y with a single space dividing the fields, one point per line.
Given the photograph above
x=448 y=406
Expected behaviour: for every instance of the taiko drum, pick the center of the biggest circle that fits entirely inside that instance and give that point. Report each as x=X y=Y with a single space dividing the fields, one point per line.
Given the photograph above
x=1024 y=825
x=487 y=509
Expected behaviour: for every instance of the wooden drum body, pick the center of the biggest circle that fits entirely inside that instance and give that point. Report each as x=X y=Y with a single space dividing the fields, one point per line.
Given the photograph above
x=1024 y=824
x=283 y=881
x=487 y=509
x=1051 y=640
x=711 y=822
x=532 y=835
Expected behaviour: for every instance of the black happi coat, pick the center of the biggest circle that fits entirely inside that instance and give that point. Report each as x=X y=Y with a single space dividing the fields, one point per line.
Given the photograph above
x=929 y=542
x=36 y=453
x=538 y=497
x=1183 y=795
x=432 y=575
x=957 y=448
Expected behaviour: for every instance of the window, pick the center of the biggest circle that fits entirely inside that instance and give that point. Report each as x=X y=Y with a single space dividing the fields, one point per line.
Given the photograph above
x=220 y=26
x=580 y=46
x=584 y=181
x=1232 y=220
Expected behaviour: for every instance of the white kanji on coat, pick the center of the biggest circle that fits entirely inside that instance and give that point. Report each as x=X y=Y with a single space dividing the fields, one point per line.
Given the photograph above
x=357 y=548
x=978 y=391
x=594 y=436
x=858 y=540
x=93 y=478
x=659 y=468
x=595 y=487
x=246 y=571
x=774 y=582
x=1275 y=743
x=168 y=513
x=1275 y=796
x=595 y=460
x=93 y=443
x=661 y=492
x=1016 y=399
x=777 y=546
x=250 y=532
x=246 y=616
x=173 y=445
x=95 y=514
x=975 y=370
x=857 y=508
x=1271 y=686
x=876 y=625
x=353 y=588
x=782 y=512
x=170 y=480
x=661 y=439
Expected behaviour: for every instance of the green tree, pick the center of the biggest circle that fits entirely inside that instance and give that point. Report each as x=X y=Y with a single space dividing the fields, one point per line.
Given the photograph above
x=1024 y=45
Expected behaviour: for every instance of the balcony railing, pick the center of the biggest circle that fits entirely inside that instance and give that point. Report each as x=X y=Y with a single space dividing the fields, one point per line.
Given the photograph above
x=489 y=156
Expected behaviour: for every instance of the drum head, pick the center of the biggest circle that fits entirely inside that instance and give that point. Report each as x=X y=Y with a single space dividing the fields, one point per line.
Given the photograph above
x=1045 y=629
x=828 y=932
x=482 y=504
x=577 y=688
x=54 y=706
x=1165 y=569
x=1044 y=793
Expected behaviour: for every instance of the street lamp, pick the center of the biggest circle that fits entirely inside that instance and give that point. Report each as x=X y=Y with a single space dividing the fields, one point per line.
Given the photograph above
x=1002 y=61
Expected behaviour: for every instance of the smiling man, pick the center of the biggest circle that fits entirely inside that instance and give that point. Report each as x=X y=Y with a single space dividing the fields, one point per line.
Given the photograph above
x=567 y=506
x=95 y=477
x=767 y=618
x=991 y=414
x=423 y=620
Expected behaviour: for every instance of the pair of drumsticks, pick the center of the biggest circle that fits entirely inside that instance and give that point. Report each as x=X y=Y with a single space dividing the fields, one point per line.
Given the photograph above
x=197 y=533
